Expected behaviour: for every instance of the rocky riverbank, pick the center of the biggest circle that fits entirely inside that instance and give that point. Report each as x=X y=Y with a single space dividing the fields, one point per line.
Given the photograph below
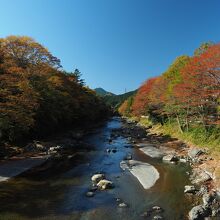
x=151 y=158
x=204 y=175
x=54 y=153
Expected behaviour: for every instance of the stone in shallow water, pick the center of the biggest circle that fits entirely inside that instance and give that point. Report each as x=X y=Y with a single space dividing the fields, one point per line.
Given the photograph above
x=170 y=158
x=105 y=184
x=108 y=150
x=97 y=177
x=122 y=205
x=189 y=189
x=118 y=200
x=144 y=172
x=183 y=160
x=157 y=209
x=90 y=194
x=157 y=217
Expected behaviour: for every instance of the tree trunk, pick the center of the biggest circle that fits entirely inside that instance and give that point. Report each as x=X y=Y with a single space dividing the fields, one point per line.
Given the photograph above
x=179 y=124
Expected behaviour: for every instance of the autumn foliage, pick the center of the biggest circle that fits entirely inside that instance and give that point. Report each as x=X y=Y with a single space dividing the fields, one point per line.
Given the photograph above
x=36 y=95
x=143 y=97
x=189 y=91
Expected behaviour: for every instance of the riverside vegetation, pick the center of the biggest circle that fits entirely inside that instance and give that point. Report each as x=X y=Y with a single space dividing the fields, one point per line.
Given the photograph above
x=184 y=100
x=37 y=97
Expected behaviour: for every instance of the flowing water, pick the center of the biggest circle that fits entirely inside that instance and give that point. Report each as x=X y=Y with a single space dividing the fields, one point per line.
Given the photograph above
x=62 y=196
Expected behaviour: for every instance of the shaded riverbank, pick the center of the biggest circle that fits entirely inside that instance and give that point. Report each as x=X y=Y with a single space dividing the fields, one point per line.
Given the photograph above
x=61 y=194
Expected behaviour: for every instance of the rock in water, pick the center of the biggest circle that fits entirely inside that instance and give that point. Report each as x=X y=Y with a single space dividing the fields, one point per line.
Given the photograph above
x=157 y=209
x=97 y=177
x=105 y=184
x=108 y=150
x=144 y=172
x=118 y=200
x=189 y=189
x=157 y=217
x=90 y=194
x=170 y=158
x=197 y=213
x=122 y=205
x=183 y=160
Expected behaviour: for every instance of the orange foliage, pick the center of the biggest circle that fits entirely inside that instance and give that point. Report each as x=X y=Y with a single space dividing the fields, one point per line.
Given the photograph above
x=143 y=97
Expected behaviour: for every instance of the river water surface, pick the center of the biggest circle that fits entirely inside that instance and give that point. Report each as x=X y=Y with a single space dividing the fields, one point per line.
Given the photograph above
x=62 y=196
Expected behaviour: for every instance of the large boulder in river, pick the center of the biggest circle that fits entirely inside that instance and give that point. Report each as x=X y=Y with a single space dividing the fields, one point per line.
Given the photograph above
x=197 y=213
x=105 y=184
x=97 y=177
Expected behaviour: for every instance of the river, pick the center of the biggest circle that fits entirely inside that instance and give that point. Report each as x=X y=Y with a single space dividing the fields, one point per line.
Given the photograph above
x=62 y=196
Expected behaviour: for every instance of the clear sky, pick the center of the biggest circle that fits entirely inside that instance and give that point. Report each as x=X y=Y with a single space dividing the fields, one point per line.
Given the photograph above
x=116 y=44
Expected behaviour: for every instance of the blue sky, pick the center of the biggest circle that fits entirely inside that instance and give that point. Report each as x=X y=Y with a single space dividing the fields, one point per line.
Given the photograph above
x=116 y=44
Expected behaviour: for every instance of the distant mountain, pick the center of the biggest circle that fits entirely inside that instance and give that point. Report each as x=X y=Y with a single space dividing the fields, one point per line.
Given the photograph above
x=102 y=92
x=113 y=100
x=116 y=100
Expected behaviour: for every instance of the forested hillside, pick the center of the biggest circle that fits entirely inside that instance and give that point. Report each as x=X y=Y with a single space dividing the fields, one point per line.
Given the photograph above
x=185 y=99
x=112 y=100
x=36 y=95
x=102 y=92
x=116 y=100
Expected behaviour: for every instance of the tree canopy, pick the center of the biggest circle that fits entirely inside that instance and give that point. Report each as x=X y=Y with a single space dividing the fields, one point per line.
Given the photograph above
x=188 y=91
x=36 y=95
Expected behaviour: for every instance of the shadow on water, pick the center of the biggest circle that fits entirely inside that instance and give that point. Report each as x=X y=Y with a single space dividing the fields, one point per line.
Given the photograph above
x=62 y=195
